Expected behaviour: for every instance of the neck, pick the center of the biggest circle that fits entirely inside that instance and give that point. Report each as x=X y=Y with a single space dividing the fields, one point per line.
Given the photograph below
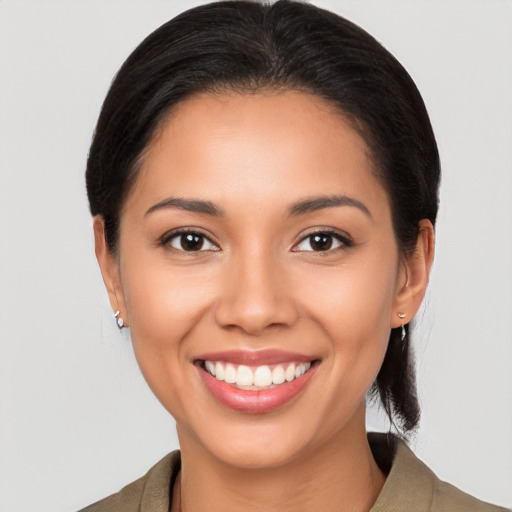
x=340 y=477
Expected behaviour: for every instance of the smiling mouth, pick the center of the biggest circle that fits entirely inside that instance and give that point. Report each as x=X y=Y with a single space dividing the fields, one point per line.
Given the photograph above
x=255 y=378
x=255 y=382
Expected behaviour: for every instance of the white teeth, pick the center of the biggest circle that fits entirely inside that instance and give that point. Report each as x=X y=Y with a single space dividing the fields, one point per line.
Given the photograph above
x=210 y=367
x=262 y=376
x=290 y=372
x=230 y=374
x=244 y=376
x=219 y=371
x=302 y=369
x=278 y=376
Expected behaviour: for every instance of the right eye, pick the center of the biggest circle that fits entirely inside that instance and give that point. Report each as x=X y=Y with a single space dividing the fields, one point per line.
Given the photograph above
x=190 y=241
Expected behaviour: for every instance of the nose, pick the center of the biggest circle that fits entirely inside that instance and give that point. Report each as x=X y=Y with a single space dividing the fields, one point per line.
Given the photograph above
x=255 y=296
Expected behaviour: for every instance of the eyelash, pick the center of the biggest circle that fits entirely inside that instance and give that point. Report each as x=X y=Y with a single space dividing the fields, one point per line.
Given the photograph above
x=344 y=240
x=168 y=237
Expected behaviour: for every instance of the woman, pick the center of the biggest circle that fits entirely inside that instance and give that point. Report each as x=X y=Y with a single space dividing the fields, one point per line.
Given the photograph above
x=263 y=181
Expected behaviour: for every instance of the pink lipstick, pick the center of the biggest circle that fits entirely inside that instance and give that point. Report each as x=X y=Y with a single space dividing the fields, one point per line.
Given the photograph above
x=255 y=382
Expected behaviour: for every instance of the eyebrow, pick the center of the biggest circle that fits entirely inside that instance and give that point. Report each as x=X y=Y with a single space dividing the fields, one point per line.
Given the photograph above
x=302 y=207
x=191 y=205
x=314 y=204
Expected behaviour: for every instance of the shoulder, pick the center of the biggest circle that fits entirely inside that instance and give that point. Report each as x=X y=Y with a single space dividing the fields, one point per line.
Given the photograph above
x=411 y=485
x=449 y=498
x=152 y=492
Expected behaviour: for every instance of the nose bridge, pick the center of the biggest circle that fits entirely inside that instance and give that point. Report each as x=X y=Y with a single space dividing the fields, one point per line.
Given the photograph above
x=254 y=295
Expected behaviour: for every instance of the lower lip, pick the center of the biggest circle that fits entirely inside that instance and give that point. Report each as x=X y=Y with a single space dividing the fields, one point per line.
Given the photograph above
x=255 y=401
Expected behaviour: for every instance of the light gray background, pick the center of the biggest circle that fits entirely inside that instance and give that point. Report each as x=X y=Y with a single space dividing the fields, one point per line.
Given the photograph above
x=76 y=419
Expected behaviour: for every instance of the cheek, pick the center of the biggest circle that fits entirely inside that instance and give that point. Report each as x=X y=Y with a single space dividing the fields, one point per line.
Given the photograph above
x=356 y=297
x=164 y=306
x=353 y=305
x=162 y=301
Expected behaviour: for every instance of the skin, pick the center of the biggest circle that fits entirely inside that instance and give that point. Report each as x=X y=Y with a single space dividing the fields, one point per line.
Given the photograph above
x=258 y=286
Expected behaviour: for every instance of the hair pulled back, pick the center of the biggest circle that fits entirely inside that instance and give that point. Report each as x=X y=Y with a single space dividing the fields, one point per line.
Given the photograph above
x=246 y=46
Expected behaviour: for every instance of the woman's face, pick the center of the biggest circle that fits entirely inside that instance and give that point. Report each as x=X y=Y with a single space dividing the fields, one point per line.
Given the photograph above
x=257 y=243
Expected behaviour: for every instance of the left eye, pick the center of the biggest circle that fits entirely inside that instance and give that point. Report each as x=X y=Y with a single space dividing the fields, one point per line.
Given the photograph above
x=320 y=242
x=191 y=242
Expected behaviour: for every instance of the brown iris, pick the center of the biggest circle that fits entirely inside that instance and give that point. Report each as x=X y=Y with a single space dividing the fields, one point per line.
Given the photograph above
x=321 y=242
x=191 y=242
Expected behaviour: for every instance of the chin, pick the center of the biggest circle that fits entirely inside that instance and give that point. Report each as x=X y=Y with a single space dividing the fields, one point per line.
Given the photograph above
x=258 y=453
x=260 y=441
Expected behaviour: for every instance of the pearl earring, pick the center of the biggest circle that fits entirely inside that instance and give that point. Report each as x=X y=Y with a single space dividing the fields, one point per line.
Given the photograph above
x=119 y=319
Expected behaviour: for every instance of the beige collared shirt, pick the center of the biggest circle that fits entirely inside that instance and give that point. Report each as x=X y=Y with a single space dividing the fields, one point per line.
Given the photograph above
x=410 y=486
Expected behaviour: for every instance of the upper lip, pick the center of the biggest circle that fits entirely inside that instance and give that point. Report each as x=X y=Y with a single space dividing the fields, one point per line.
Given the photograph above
x=255 y=358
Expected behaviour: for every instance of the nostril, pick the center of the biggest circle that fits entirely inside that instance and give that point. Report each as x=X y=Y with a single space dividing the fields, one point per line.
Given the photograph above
x=254 y=296
x=254 y=318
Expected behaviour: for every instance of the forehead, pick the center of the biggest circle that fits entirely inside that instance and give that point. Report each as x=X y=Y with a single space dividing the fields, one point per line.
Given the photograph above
x=257 y=146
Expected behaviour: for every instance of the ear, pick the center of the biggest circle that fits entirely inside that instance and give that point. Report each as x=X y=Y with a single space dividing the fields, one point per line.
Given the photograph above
x=413 y=276
x=109 y=266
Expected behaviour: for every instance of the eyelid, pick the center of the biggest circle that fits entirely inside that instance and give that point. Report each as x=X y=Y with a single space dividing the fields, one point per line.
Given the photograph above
x=340 y=236
x=165 y=239
x=344 y=238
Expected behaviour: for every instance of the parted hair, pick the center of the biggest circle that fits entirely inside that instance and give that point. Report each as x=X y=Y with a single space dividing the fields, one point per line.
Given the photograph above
x=246 y=46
